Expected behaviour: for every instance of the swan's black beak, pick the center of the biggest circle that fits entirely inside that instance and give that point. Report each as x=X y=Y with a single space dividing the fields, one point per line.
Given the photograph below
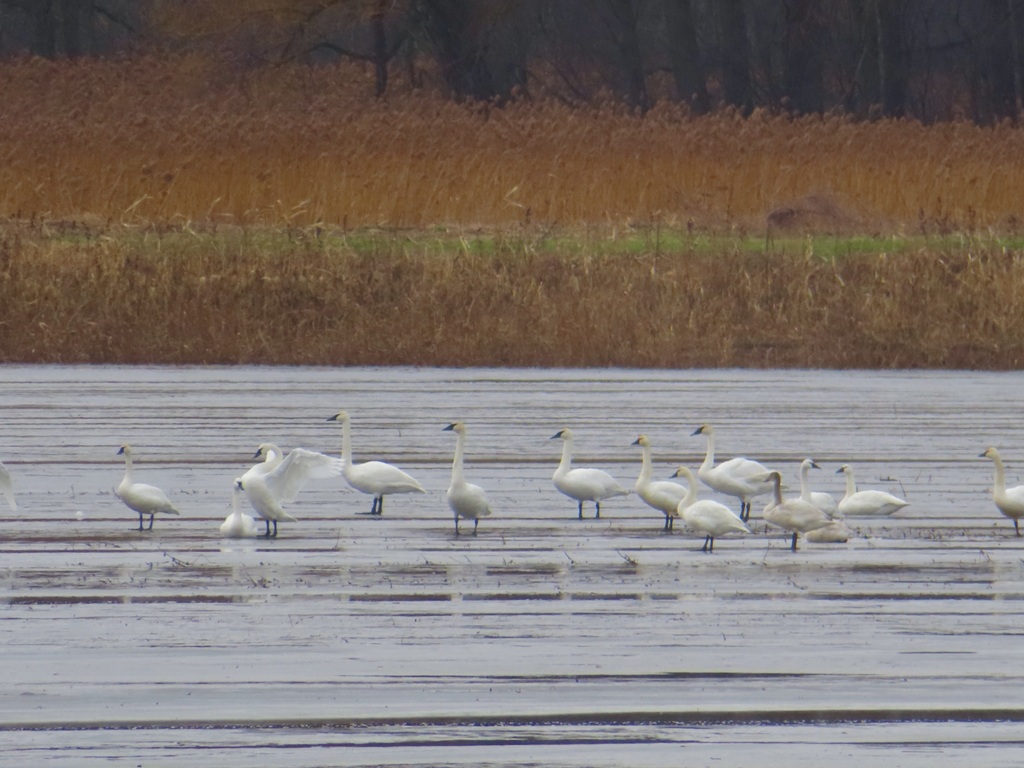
x=815 y=465
x=333 y=418
x=257 y=454
x=120 y=450
x=238 y=484
x=697 y=431
x=636 y=442
x=449 y=428
x=557 y=435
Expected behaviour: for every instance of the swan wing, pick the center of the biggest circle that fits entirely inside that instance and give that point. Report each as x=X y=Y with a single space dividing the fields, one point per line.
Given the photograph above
x=379 y=478
x=7 y=487
x=299 y=467
x=145 y=498
x=866 y=503
x=713 y=518
x=796 y=515
x=469 y=500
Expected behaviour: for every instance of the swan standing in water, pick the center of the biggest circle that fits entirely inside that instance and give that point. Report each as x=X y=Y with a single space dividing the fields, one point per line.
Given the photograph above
x=465 y=499
x=277 y=481
x=866 y=503
x=794 y=515
x=709 y=517
x=823 y=501
x=374 y=477
x=1009 y=501
x=238 y=525
x=7 y=487
x=583 y=483
x=139 y=497
x=739 y=477
x=662 y=495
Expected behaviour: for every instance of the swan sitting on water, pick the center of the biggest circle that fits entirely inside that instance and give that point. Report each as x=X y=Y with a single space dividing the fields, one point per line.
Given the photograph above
x=709 y=517
x=794 y=515
x=1009 y=501
x=823 y=501
x=662 y=495
x=277 y=480
x=739 y=477
x=238 y=525
x=583 y=483
x=866 y=503
x=465 y=499
x=7 y=487
x=142 y=498
x=374 y=477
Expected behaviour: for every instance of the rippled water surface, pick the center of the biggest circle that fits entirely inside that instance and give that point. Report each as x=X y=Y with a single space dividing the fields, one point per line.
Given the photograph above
x=545 y=640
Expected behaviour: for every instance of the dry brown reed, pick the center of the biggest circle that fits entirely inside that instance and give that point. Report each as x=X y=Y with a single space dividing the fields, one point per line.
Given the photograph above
x=189 y=139
x=308 y=296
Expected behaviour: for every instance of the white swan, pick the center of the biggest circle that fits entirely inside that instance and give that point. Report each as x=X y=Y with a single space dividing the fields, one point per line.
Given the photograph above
x=583 y=483
x=465 y=499
x=794 y=515
x=238 y=525
x=823 y=501
x=836 y=532
x=739 y=477
x=7 y=487
x=267 y=489
x=142 y=498
x=866 y=503
x=662 y=495
x=374 y=477
x=1009 y=501
x=709 y=517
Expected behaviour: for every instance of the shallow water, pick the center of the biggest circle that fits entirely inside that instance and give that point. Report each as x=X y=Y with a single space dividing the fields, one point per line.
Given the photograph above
x=544 y=640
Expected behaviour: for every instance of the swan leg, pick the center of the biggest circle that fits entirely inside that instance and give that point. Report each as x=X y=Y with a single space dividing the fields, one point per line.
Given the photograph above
x=707 y=541
x=597 y=504
x=456 y=525
x=1016 y=527
x=580 y=515
x=475 y=524
x=150 y=521
x=793 y=547
x=140 y=522
x=744 y=510
x=666 y=527
x=267 y=534
x=275 y=530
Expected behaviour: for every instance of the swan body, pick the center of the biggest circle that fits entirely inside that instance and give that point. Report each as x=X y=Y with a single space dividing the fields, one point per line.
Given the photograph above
x=739 y=477
x=794 y=515
x=823 y=501
x=836 y=532
x=709 y=517
x=583 y=483
x=373 y=477
x=238 y=525
x=139 y=497
x=662 y=495
x=866 y=503
x=465 y=499
x=7 y=487
x=1009 y=501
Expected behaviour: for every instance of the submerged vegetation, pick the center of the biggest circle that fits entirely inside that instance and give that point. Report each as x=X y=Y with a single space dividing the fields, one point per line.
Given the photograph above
x=167 y=212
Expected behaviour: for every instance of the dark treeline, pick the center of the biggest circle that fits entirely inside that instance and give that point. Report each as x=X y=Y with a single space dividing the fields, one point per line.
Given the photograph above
x=926 y=59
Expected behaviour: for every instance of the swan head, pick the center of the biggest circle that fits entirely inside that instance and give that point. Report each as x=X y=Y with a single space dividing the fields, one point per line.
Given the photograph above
x=266 y=451
x=238 y=485
x=846 y=469
x=642 y=441
x=703 y=429
x=683 y=472
x=775 y=478
x=125 y=449
x=565 y=434
x=990 y=453
x=456 y=426
x=341 y=416
x=809 y=464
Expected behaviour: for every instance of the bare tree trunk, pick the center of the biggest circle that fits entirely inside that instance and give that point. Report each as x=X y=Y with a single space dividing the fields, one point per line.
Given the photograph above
x=685 y=56
x=735 y=55
x=892 y=58
x=627 y=40
x=805 y=27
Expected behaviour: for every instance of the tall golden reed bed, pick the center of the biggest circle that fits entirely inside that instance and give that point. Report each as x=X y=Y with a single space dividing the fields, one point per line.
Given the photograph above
x=185 y=212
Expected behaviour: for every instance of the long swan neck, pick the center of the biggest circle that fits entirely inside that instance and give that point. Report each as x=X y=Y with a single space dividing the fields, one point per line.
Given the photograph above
x=127 y=467
x=346 y=443
x=566 y=463
x=1000 y=483
x=645 y=465
x=457 y=477
x=805 y=491
x=691 y=488
x=851 y=483
x=709 y=456
x=777 y=481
